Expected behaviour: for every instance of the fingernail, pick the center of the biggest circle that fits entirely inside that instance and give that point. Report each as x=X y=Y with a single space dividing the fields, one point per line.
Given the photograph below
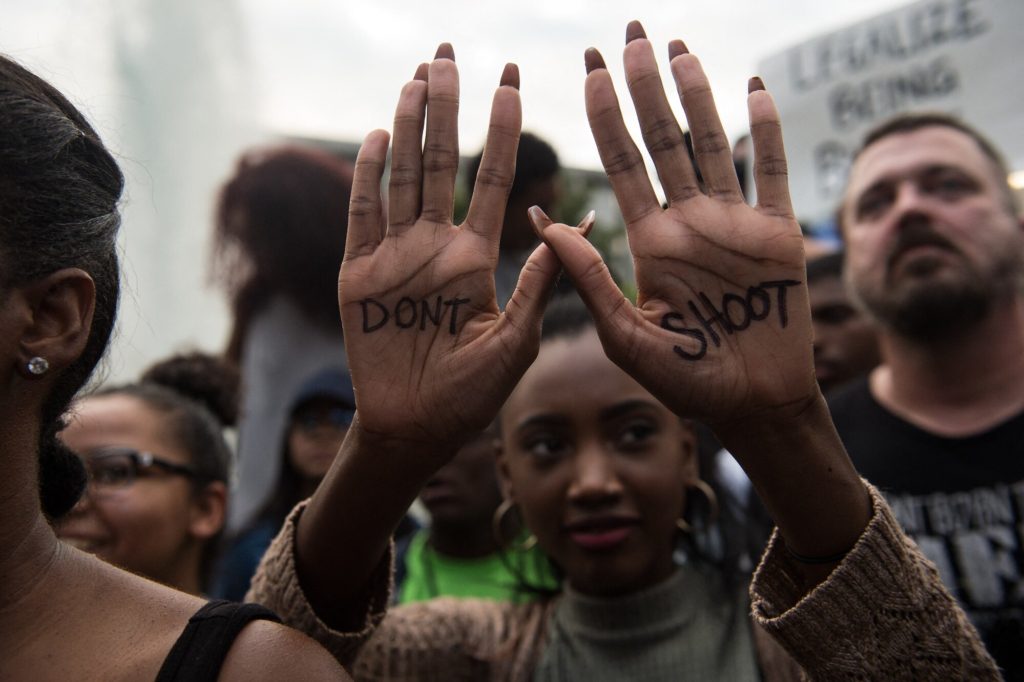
x=675 y=48
x=539 y=219
x=755 y=84
x=593 y=60
x=445 y=51
x=634 y=30
x=421 y=72
x=587 y=223
x=510 y=76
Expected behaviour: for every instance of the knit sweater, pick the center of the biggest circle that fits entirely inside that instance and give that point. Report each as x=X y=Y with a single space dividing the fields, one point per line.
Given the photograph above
x=883 y=613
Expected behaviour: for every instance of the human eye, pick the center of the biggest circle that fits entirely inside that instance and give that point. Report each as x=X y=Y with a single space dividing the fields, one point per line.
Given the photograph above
x=113 y=471
x=636 y=434
x=872 y=203
x=545 y=446
x=948 y=184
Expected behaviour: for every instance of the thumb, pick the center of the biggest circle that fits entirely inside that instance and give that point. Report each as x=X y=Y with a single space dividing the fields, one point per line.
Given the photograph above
x=587 y=269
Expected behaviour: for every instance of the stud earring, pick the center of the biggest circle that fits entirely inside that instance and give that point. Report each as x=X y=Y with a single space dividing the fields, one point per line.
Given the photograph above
x=38 y=365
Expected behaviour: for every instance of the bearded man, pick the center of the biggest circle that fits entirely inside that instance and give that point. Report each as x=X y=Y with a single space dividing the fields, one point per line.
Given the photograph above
x=935 y=254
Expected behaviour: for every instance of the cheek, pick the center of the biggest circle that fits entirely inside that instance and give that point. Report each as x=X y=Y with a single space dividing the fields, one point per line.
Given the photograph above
x=144 y=523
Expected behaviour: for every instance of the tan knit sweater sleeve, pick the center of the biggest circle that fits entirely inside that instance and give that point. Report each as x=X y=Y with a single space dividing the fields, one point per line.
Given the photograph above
x=883 y=613
x=443 y=639
x=276 y=586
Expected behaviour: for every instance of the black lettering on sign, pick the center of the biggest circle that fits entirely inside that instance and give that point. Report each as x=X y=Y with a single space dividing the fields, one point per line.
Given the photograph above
x=735 y=314
x=408 y=311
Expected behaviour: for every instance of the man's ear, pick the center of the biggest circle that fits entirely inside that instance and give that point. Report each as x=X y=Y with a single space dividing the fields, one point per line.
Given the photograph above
x=209 y=511
x=61 y=307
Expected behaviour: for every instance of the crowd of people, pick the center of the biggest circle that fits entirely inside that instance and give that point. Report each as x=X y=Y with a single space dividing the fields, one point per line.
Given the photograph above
x=463 y=453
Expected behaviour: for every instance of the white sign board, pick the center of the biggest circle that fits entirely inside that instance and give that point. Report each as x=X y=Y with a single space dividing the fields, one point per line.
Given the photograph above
x=958 y=56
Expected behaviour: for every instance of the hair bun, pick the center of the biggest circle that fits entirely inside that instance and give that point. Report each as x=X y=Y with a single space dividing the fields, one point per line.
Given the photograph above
x=207 y=379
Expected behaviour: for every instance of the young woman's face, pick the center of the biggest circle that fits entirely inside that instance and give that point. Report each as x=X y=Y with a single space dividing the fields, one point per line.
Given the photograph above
x=315 y=435
x=597 y=466
x=150 y=523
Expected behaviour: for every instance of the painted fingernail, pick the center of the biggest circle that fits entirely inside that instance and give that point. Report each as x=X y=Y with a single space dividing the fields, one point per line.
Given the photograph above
x=755 y=84
x=634 y=31
x=445 y=51
x=510 y=76
x=421 y=72
x=587 y=223
x=539 y=219
x=593 y=59
x=675 y=48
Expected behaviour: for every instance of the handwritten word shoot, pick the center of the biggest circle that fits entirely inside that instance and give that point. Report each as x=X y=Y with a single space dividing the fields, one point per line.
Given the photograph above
x=736 y=313
x=408 y=313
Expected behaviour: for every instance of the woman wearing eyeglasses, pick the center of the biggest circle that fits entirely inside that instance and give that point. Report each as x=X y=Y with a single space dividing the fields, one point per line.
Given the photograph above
x=64 y=614
x=158 y=469
x=318 y=419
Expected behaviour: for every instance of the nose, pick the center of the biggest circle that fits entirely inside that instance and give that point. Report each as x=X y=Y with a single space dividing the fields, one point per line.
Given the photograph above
x=595 y=478
x=911 y=205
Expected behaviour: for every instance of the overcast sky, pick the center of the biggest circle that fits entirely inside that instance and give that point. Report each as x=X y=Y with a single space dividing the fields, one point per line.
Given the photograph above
x=334 y=68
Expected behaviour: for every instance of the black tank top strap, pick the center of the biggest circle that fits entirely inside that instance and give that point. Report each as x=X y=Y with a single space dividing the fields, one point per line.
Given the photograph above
x=203 y=645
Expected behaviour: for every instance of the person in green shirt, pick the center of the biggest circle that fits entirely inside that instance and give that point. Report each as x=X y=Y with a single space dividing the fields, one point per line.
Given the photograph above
x=459 y=554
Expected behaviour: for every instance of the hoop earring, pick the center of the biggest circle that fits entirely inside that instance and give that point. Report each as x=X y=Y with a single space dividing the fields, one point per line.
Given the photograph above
x=496 y=524
x=709 y=493
x=37 y=366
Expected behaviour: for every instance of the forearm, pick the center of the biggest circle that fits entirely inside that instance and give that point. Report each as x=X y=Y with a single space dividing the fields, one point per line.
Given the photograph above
x=344 y=532
x=802 y=473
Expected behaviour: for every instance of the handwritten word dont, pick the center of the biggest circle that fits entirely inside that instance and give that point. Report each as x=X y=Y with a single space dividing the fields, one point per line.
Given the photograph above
x=735 y=314
x=408 y=312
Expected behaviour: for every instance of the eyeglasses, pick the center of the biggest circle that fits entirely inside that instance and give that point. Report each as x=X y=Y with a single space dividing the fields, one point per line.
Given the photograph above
x=114 y=468
x=337 y=417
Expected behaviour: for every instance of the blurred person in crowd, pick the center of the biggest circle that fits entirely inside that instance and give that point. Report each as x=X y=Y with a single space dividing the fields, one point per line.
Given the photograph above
x=845 y=338
x=935 y=254
x=464 y=552
x=596 y=454
x=279 y=235
x=64 y=614
x=318 y=418
x=159 y=468
x=537 y=182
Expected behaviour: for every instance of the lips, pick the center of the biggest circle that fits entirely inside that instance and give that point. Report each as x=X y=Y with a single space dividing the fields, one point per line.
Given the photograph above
x=601 y=533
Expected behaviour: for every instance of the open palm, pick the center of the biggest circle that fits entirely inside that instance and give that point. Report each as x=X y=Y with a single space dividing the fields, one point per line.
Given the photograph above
x=721 y=330
x=431 y=355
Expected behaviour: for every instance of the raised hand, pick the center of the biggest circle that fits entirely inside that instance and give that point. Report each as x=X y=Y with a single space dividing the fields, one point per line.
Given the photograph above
x=431 y=355
x=721 y=329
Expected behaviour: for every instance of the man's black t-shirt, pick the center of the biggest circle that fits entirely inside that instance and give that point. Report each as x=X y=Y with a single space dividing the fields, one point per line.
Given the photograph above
x=961 y=499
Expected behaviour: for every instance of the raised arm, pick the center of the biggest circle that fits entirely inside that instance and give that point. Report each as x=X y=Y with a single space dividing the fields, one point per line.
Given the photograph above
x=432 y=357
x=721 y=330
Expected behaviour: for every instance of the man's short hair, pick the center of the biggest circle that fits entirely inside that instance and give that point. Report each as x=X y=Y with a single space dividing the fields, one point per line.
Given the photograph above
x=536 y=160
x=910 y=122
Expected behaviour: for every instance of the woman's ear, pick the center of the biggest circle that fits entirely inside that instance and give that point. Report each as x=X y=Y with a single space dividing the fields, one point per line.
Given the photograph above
x=208 y=511
x=688 y=450
x=504 y=479
x=60 y=308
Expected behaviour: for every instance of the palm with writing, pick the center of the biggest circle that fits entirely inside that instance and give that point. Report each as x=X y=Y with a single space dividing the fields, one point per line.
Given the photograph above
x=721 y=330
x=431 y=355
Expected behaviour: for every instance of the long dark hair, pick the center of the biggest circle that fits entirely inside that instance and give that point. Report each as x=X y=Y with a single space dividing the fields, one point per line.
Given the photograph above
x=280 y=229
x=59 y=193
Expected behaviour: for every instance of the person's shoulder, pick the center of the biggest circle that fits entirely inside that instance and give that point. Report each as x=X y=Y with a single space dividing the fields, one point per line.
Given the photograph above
x=265 y=650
